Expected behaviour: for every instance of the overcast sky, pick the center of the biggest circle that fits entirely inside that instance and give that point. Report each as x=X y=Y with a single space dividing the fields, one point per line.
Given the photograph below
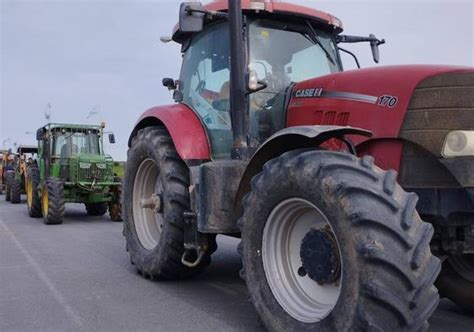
x=81 y=55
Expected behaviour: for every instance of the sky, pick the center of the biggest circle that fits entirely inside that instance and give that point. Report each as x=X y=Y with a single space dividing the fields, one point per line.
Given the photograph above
x=95 y=61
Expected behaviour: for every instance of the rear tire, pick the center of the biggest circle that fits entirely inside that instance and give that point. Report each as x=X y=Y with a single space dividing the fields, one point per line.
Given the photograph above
x=52 y=201
x=33 y=200
x=15 y=190
x=96 y=209
x=386 y=269
x=9 y=176
x=115 y=206
x=155 y=241
x=456 y=280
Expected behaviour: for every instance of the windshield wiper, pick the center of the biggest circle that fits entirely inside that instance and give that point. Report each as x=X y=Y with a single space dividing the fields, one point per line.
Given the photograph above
x=314 y=37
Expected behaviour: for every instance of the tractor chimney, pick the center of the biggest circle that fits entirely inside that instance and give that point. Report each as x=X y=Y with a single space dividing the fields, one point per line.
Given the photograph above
x=237 y=80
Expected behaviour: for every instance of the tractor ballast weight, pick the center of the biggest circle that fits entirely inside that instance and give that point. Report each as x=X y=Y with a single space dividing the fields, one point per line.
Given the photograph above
x=72 y=167
x=264 y=144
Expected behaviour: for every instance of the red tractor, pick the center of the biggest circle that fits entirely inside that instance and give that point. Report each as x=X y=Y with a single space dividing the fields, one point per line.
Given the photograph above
x=352 y=191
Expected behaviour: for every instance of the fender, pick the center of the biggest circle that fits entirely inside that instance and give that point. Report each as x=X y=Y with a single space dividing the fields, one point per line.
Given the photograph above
x=186 y=130
x=288 y=139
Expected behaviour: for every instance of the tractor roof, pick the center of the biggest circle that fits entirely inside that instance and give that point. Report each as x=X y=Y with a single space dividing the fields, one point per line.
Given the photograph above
x=274 y=7
x=50 y=126
x=27 y=149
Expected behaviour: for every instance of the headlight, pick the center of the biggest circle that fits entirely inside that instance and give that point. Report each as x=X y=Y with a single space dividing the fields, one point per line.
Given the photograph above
x=459 y=143
x=85 y=165
x=101 y=166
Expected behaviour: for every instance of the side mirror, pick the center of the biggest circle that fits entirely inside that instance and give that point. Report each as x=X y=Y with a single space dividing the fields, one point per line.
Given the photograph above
x=374 y=46
x=191 y=17
x=111 y=138
x=40 y=134
x=169 y=83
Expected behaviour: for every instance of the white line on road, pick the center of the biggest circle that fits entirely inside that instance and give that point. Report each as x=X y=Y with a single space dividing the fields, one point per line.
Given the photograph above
x=43 y=277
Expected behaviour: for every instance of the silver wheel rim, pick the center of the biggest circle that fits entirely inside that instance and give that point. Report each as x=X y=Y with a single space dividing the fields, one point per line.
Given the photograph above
x=147 y=222
x=301 y=297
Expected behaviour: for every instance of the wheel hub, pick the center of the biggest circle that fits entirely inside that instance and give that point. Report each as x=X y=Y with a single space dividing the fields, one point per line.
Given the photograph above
x=320 y=256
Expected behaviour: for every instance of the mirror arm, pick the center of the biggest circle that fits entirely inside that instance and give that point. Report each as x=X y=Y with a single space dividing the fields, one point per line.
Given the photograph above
x=210 y=14
x=351 y=54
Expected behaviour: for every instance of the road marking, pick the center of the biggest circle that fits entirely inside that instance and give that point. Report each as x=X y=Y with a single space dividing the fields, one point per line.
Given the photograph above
x=43 y=277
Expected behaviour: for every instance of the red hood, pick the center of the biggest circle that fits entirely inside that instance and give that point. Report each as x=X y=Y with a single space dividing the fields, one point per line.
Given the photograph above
x=335 y=95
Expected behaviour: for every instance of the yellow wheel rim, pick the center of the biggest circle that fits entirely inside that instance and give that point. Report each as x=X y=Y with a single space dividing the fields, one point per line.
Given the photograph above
x=45 y=201
x=29 y=192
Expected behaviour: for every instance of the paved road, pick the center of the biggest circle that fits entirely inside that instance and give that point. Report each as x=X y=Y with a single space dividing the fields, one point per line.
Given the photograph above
x=77 y=276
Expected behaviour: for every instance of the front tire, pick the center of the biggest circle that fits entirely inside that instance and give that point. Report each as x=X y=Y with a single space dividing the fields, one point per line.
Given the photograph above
x=15 y=190
x=96 y=209
x=53 y=204
x=33 y=200
x=456 y=280
x=332 y=243
x=155 y=239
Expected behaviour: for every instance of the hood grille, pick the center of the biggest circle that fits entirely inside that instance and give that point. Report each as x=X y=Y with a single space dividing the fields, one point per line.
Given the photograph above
x=439 y=105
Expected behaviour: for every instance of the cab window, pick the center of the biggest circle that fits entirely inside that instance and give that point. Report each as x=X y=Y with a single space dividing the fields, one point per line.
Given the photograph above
x=205 y=85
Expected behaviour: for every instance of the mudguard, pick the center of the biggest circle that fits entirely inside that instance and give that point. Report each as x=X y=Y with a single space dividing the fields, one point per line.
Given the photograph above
x=185 y=128
x=288 y=139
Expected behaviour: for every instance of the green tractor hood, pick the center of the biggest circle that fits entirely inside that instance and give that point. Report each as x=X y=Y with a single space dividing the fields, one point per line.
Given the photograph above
x=91 y=169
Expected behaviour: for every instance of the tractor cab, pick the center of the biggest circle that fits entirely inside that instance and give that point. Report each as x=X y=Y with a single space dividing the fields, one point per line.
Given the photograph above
x=282 y=49
x=26 y=154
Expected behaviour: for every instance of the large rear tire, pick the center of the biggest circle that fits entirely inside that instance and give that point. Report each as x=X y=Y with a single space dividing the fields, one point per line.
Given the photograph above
x=456 y=280
x=33 y=200
x=332 y=243
x=96 y=209
x=155 y=240
x=52 y=201
x=9 y=176
x=15 y=190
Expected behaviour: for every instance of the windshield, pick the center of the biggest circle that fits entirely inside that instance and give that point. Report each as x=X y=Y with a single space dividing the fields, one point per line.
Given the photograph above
x=67 y=144
x=281 y=54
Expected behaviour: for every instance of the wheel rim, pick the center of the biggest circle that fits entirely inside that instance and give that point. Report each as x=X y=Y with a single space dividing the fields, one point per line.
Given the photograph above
x=287 y=226
x=147 y=222
x=463 y=265
x=29 y=192
x=45 y=201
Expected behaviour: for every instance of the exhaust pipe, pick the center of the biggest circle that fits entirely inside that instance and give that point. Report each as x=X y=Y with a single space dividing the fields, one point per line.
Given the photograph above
x=238 y=96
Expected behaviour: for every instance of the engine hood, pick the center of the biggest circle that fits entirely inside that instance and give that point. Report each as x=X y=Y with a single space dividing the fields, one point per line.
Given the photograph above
x=375 y=99
x=93 y=158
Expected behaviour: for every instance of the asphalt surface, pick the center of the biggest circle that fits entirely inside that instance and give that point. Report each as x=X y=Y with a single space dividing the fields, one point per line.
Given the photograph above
x=77 y=277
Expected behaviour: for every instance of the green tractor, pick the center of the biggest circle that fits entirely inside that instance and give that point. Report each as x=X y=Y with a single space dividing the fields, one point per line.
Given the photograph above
x=17 y=182
x=72 y=167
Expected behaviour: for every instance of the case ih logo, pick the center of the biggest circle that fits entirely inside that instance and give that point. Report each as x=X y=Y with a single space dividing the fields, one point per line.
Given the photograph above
x=384 y=101
x=308 y=93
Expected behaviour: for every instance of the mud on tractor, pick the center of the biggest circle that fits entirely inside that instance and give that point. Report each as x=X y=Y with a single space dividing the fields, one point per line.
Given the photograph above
x=6 y=171
x=72 y=167
x=24 y=157
x=350 y=190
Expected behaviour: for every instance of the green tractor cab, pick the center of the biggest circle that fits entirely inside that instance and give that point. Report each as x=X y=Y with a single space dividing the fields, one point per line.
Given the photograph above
x=72 y=168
